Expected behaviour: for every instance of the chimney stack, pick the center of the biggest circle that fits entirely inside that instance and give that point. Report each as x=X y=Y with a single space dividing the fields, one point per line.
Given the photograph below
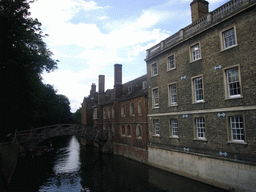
x=93 y=89
x=101 y=88
x=199 y=8
x=118 y=86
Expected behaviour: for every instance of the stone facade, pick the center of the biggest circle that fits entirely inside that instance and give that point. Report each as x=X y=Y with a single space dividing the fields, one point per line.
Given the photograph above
x=201 y=96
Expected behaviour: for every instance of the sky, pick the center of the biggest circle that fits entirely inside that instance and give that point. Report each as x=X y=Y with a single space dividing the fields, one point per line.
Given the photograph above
x=89 y=36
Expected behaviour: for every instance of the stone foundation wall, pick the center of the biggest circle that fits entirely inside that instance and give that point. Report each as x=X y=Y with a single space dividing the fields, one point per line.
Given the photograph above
x=230 y=175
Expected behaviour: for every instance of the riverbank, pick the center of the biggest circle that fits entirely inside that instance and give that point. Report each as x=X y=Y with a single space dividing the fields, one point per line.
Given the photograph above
x=9 y=156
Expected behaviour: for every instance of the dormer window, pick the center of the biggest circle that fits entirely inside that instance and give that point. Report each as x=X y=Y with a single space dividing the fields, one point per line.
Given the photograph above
x=130 y=89
x=144 y=84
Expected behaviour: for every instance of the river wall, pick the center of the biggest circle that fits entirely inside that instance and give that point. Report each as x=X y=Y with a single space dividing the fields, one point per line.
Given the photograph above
x=226 y=174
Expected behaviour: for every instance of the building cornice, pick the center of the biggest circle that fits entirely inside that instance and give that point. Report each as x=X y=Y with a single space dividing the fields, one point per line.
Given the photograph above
x=219 y=15
x=218 y=110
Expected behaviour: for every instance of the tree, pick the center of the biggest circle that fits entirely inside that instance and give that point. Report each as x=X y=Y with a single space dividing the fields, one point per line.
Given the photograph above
x=24 y=57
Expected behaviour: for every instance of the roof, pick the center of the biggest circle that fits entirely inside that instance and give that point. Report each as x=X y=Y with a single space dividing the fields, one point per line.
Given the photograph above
x=131 y=89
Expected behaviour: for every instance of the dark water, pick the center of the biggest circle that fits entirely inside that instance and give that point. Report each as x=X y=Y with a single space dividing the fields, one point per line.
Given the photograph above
x=74 y=167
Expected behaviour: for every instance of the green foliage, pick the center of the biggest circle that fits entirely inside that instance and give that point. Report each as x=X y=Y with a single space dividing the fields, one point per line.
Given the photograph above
x=26 y=101
x=77 y=116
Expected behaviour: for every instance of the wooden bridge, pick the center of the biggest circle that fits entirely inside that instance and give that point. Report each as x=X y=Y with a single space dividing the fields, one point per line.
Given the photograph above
x=33 y=137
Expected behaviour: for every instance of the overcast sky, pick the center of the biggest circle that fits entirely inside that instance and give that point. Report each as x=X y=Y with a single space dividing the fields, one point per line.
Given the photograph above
x=89 y=37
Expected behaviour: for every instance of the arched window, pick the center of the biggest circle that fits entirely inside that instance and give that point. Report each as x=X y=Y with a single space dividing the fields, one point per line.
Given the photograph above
x=113 y=112
x=138 y=130
x=109 y=113
x=123 y=110
x=104 y=113
x=139 y=108
x=128 y=130
x=95 y=113
x=132 y=109
x=123 y=130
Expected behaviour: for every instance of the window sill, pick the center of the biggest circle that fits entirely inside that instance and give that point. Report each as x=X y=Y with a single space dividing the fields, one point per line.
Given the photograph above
x=123 y=135
x=224 y=49
x=156 y=135
x=174 y=105
x=155 y=107
x=195 y=102
x=173 y=137
x=195 y=60
x=129 y=136
x=198 y=139
x=139 y=137
x=237 y=142
x=154 y=75
x=234 y=97
x=171 y=69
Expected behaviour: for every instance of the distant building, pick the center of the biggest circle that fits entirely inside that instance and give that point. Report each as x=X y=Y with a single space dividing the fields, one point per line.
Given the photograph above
x=202 y=97
x=122 y=112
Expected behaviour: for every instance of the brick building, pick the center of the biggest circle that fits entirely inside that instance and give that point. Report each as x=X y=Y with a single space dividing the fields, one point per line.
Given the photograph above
x=202 y=97
x=122 y=112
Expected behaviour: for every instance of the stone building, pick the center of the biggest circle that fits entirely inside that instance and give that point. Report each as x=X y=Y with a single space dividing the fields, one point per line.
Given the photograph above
x=122 y=112
x=202 y=97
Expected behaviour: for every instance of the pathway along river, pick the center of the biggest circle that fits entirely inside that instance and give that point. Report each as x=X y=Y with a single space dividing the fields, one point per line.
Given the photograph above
x=74 y=167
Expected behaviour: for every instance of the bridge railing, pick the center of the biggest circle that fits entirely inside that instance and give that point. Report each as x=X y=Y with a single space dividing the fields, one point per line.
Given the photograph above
x=37 y=135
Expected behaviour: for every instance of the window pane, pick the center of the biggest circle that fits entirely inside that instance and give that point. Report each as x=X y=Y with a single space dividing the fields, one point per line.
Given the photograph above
x=237 y=131
x=154 y=69
x=174 y=126
x=155 y=97
x=229 y=38
x=156 y=125
x=173 y=94
x=200 y=128
x=171 y=62
x=195 y=51
x=198 y=88
x=233 y=82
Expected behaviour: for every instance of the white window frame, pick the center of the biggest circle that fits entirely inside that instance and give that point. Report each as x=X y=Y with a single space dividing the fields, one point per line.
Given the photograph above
x=109 y=113
x=104 y=113
x=173 y=62
x=123 y=110
x=113 y=112
x=195 y=52
x=139 y=131
x=130 y=89
x=227 y=83
x=172 y=97
x=132 y=109
x=174 y=127
x=129 y=133
x=95 y=113
x=196 y=91
x=156 y=127
x=123 y=129
x=139 y=108
x=154 y=69
x=237 y=128
x=200 y=128
x=155 y=98
x=223 y=38
x=144 y=84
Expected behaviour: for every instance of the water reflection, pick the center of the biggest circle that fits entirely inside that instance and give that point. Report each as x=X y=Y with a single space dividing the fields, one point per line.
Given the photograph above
x=66 y=169
x=76 y=167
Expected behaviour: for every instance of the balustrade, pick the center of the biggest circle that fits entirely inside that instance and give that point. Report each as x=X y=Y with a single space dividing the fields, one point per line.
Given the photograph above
x=211 y=18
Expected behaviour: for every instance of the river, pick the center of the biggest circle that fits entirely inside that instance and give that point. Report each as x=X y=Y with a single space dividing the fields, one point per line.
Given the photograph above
x=74 y=167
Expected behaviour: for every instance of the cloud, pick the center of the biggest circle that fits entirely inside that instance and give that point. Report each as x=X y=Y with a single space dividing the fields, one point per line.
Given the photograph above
x=210 y=1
